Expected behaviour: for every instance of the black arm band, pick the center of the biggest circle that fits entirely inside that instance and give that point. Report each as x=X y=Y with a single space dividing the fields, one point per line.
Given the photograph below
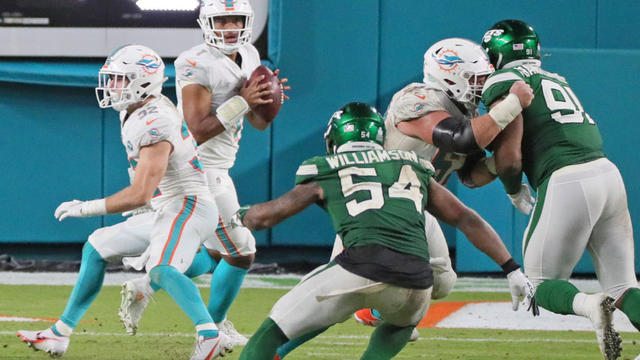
x=509 y=266
x=454 y=135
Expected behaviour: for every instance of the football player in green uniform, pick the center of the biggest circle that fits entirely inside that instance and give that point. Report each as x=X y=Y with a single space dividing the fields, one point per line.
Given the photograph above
x=375 y=199
x=438 y=120
x=582 y=203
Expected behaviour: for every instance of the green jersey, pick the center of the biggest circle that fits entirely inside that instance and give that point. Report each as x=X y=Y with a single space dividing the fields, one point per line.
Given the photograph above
x=557 y=130
x=374 y=197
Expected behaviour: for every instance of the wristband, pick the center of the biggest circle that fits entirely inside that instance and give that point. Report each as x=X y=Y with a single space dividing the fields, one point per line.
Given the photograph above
x=232 y=110
x=510 y=266
x=507 y=110
x=94 y=207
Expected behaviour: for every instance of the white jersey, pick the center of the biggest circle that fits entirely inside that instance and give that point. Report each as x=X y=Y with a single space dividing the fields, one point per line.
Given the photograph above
x=413 y=101
x=156 y=121
x=209 y=67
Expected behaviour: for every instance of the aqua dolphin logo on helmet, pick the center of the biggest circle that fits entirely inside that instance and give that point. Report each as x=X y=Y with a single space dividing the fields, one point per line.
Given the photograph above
x=149 y=63
x=447 y=59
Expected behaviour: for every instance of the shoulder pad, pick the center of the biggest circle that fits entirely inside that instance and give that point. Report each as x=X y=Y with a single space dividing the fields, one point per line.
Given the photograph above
x=498 y=84
x=413 y=101
x=308 y=170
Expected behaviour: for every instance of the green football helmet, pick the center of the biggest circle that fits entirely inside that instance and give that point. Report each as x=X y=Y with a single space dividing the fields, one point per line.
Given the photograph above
x=356 y=123
x=511 y=40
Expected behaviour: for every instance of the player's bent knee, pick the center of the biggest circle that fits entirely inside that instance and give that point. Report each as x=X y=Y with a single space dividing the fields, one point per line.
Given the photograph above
x=98 y=240
x=243 y=262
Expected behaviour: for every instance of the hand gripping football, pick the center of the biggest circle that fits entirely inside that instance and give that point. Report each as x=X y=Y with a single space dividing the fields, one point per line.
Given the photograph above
x=268 y=111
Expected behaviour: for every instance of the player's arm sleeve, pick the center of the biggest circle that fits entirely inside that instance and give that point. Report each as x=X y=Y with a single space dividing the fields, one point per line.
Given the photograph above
x=498 y=85
x=307 y=171
x=190 y=71
x=305 y=193
x=412 y=102
x=160 y=129
x=266 y=215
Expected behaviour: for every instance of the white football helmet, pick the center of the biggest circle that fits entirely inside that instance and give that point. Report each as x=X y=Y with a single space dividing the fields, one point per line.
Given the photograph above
x=129 y=75
x=454 y=65
x=211 y=9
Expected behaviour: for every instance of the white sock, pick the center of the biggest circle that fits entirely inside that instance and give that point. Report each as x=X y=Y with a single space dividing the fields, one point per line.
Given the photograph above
x=579 y=304
x=63 y=328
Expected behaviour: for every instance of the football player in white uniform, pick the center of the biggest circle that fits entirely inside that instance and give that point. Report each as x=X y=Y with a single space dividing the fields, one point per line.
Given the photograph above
x=215 y=99
x=164 y=157
x=438 y=119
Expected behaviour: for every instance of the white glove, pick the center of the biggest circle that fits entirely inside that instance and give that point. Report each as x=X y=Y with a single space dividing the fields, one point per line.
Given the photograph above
x=522 y=289
x=523 y=200
x=77 y=208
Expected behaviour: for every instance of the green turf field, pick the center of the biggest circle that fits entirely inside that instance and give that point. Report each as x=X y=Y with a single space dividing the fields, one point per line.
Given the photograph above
x=165 y=333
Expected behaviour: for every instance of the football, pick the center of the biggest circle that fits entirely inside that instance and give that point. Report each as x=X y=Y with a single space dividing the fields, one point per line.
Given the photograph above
x=268 y=111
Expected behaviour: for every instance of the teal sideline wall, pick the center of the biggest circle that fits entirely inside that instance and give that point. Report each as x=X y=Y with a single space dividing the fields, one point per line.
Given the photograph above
x=57 y=145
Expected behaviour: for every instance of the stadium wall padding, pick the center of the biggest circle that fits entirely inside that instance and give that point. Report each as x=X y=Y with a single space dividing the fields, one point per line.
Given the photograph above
x=58 y=145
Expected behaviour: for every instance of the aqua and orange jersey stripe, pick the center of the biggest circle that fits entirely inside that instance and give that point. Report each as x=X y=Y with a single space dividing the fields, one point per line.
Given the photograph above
x=225 y=239
x=177 y=228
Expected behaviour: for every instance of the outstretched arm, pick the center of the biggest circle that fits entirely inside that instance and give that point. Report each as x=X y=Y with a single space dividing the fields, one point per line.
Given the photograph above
x=150 y=170
x=448 y=208
x=508 y=155
x=445 y=206
x=457 y=135
x=270 y=213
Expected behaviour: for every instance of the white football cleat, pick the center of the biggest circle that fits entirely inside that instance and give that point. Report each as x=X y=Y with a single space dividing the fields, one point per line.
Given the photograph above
x=235 y=338
x=415 y=335
x=135 y=295
x=46 y=341
x=211 y=348
x=600 y=312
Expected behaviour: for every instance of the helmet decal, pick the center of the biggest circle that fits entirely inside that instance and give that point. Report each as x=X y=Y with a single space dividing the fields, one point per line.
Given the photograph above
x=149 y=63
x=447 y=59
x=228 y=4
x=491 y=33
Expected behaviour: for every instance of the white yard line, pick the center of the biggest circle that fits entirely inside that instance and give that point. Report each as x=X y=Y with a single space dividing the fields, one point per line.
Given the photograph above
x=466 y=284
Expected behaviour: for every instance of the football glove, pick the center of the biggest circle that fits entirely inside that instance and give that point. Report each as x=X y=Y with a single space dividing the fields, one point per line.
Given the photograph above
x=77 y=208
x=522 y=289
x=236 y=219
x=523 y=200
